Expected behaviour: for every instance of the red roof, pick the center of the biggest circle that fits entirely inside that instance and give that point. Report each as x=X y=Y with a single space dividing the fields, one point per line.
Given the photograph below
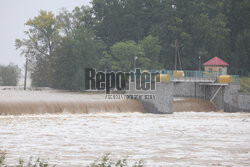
x=215 y=62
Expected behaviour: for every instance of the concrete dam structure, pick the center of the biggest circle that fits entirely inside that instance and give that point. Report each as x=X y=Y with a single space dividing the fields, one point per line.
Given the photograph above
x=171 y=96
x=163 y=98
x=205 y=92
x=181 y=96
x=224 y=96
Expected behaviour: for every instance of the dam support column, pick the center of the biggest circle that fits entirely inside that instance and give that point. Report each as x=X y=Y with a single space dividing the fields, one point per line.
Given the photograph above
x=162 y=102
x=231 y=98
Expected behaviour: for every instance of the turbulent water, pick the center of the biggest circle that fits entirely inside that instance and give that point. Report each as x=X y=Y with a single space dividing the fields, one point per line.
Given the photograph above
x=179 y=139
x=42 y=124
x=41 y=102
x=192 y=104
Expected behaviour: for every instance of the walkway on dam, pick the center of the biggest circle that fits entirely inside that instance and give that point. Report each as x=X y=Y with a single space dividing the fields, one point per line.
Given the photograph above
x=195 y=76
x=192 y=79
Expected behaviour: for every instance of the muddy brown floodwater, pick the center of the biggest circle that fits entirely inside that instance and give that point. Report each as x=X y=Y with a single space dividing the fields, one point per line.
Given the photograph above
x=42 y=124
x=179 y=139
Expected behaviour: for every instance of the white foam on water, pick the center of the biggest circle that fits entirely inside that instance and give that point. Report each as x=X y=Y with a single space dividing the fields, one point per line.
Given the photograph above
x=179 y=139
x=102 y=126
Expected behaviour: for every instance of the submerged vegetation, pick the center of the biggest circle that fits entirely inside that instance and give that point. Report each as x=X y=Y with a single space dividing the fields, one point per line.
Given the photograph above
x=110 y=34
x=31 y=163
x=105 y=161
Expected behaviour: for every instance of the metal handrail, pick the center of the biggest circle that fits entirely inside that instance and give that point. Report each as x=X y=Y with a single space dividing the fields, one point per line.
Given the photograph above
x=189 y=75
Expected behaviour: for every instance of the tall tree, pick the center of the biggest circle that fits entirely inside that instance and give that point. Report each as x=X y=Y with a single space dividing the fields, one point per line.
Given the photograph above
x=79 y=17
x=123 y=20
x=41 y=40
x=124 y=55
x=238 y=13
x=152 y=48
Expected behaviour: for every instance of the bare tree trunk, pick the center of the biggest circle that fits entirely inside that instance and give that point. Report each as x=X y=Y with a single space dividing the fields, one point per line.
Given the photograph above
x=25 y=77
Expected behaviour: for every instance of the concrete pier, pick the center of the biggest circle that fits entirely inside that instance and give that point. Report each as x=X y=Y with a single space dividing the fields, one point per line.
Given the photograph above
x=163 y=102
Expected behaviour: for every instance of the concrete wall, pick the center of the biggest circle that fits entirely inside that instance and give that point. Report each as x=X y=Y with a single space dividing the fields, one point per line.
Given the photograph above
x=244 y=102
x=188 y=89
x=192 y=89
x=163 y=102
x=231 y=98
x=233 y=101
x=228 y=97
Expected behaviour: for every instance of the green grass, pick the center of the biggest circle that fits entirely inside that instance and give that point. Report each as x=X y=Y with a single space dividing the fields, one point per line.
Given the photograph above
x=245 y=84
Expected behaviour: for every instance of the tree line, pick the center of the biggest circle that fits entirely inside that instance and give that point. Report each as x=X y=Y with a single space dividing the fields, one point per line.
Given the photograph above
x=111 y=33
x=9 y=74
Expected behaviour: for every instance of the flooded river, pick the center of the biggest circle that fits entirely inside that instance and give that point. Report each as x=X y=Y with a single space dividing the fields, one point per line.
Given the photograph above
x=179 y=139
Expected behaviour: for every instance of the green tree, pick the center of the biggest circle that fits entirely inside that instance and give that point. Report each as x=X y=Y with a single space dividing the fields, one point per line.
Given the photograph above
x=238 y=13
x=106 y=62
x=70 y=21
x=197 y=25
x=42 y=39
x=73 y=56
x=124 y=54
x=78 y=49
x=123 y=20
x=152 y=48
x=110 y=34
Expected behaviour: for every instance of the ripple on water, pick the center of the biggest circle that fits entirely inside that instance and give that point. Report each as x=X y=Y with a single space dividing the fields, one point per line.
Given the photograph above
x=183 y=139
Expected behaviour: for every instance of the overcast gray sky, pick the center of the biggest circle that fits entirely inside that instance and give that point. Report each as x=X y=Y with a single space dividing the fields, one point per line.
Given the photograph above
x=13 y=15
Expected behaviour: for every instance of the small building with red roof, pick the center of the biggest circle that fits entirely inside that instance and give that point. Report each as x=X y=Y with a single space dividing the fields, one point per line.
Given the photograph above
x=216 y=65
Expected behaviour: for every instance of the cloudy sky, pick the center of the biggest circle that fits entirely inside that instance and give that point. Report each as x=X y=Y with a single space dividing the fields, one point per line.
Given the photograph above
x=13 y=15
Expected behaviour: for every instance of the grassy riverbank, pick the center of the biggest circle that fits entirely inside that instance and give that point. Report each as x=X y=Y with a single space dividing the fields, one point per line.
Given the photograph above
x=245 y=84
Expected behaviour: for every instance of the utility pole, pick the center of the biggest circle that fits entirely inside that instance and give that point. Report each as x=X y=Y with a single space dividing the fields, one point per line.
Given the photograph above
x=25 y=76
x=201 y=53
x=175 y=61
x=199 y=63
x=135 y=62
